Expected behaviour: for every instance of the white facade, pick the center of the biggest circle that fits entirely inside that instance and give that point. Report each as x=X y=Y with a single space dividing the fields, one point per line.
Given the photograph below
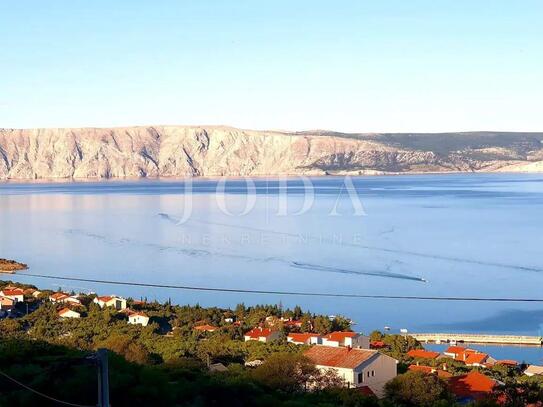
x=71 y=300
x=374 y=373
x=263 y=338
x=69 y=314
x=118 y=303
x=15 y=295
x=356 y=341
x=138 y=319
x=534 y=370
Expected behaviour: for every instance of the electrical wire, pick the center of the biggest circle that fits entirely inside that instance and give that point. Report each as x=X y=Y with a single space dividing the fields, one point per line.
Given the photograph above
x=65 y=403
x=293 y=293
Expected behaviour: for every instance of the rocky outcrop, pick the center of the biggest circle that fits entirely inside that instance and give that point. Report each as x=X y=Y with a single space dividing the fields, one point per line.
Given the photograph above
x=179 y=151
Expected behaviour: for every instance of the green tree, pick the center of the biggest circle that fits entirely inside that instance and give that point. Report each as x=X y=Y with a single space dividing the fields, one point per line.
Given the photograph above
x=286 y=372
x=416 y=389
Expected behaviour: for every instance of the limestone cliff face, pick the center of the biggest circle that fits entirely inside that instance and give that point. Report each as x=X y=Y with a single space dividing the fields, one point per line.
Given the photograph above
x=179 y=151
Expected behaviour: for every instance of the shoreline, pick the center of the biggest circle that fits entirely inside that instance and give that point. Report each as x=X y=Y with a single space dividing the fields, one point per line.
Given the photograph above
x=61 y=180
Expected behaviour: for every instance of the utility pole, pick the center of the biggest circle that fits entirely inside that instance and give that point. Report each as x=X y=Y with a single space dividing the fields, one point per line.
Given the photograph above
x=103 y=378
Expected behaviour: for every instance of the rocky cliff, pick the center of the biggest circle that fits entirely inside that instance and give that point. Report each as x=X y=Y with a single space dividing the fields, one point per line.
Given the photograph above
x=178 y=151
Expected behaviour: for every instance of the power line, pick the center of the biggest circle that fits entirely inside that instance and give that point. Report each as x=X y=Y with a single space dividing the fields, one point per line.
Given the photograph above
x=65 y=403
x=293 y=293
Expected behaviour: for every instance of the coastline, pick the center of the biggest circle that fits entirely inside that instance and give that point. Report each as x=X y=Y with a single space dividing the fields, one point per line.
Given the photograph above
x=63 y=180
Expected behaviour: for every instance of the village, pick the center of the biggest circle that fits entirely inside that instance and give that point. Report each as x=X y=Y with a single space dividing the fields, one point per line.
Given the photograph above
x=365 y=363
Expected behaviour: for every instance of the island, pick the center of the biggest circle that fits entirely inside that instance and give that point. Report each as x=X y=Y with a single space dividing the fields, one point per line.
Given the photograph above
x=11 y=266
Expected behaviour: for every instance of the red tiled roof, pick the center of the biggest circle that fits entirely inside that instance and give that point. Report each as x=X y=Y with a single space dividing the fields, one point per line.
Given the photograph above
x=59 y=296
x=209 y=328
x=429 y=370
x=64 y=311
x=302 y=337
x=423 y=354
x=12 y=291
x=340 y=336
x=256 y=333
x=474 y=385
x=339 y=357
x=424 y=369
x=507 y=362
x=105 y=298
x=455 y=349
x=472 y=358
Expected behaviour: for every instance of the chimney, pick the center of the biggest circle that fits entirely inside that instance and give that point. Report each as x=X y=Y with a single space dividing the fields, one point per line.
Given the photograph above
x=349 y=348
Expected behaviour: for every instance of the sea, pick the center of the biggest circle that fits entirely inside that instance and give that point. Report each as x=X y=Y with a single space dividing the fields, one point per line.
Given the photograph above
x=422 y=253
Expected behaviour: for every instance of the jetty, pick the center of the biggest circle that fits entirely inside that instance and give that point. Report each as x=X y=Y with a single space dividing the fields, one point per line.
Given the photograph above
x=478 y=338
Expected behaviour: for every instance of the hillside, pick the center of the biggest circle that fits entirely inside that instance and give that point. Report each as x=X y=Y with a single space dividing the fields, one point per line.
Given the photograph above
x=178 y=151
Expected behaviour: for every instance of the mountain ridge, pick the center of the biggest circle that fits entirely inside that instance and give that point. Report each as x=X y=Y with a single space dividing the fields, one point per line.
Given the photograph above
x=180 y=151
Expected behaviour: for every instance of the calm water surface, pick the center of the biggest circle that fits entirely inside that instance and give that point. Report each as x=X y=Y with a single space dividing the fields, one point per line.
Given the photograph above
x=430 y=235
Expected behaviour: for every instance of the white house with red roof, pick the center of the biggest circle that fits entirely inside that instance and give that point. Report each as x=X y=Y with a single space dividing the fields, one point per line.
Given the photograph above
x=68 y=313
x=118 y=303
x=138 y=318
x=64 y=298
x=262 y=335
x=304 y=338
x=470 y=357
x=347 y=339
x=14 y=293
x=357 y=367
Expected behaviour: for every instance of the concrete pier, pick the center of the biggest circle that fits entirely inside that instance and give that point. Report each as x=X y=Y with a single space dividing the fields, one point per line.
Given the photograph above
x=477 y=338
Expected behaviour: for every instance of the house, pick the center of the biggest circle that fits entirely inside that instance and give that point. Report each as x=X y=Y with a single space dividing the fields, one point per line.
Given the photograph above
x=68 y=313
x=71 y=299
x=478 y=359
x=57 y=297
x=118 y=303
x=507 y=362
x=430 y=370
x=422 y=354
x=470 y=357
x=357 y=367
x=292 y=324
x=32 y=292
x=6 y=303
x=138 y=318
x=14 y=293
x=205 y=328
x=304 y=338
x=64 y=298
x=471 y=387
x=261 y=334
x=454 y=351
x=534 y=370
x=351 y=339
x=229 y=320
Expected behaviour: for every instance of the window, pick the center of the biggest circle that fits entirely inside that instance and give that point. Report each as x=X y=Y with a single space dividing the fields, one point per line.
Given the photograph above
x=360 y=377
x=373 y=373
x=368 y=373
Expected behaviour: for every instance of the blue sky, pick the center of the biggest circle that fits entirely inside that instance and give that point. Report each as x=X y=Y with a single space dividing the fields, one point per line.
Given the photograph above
x=343 y=65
